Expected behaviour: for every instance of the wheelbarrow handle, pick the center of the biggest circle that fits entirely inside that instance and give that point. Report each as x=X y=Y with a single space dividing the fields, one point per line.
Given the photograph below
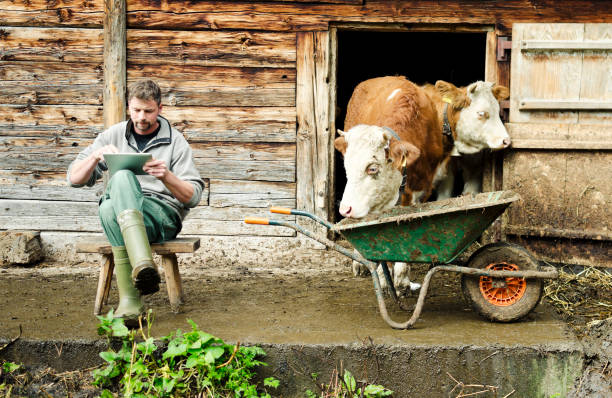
x=259 y=221
x=286 y=210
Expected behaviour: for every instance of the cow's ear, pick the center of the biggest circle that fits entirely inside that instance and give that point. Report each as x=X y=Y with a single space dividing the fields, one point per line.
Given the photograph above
x=403 y=154
x=453 y=95
x=340 y=144
x=500 y=92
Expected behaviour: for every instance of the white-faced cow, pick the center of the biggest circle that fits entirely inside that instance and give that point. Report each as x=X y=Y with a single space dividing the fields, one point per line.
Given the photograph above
x=399 y=140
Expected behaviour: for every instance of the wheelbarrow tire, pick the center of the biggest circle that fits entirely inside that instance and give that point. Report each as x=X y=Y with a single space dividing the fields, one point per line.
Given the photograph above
x=502 y=304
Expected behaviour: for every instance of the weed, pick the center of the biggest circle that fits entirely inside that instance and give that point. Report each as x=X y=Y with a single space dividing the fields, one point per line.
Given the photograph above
x=347 y=387
x=194 y=363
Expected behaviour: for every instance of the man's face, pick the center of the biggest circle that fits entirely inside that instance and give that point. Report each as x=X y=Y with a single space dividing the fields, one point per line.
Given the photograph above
x=144 y=115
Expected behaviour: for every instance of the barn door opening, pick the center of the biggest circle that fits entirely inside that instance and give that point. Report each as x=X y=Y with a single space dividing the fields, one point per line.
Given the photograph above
x=422 y=57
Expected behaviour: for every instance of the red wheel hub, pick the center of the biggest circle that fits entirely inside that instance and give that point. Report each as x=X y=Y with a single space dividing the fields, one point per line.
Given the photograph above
x=502 y=292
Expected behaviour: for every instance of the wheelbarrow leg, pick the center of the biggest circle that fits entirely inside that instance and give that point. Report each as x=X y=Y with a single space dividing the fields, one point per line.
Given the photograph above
x=383 y=265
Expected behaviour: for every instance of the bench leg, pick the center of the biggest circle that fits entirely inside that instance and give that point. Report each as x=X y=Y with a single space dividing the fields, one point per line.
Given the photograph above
x=104 y=282
x=173 y=280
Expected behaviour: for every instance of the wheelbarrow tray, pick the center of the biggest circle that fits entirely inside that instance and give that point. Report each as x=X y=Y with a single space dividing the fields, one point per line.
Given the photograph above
x=433 y=232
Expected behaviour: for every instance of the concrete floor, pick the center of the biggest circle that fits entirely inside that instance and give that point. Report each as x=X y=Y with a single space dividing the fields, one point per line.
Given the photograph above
x=307 y=324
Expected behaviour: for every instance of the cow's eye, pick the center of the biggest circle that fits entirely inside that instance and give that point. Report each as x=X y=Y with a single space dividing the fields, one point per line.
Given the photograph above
x=483 y=115
x=372 y=169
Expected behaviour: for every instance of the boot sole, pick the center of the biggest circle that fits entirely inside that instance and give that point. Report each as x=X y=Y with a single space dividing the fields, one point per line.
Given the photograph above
x=147 y=281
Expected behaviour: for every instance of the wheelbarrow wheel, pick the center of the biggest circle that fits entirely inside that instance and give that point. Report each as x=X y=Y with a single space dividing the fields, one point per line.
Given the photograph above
x=507 y=299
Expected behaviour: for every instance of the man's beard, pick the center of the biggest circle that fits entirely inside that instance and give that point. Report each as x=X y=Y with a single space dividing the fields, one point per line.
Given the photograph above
x=143 y=125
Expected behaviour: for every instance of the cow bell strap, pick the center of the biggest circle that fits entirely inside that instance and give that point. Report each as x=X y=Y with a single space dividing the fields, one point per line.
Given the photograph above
x=447 y=132
x=404 y=169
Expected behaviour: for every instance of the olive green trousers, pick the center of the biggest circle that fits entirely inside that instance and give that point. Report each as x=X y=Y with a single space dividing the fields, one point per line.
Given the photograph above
x=123 y=192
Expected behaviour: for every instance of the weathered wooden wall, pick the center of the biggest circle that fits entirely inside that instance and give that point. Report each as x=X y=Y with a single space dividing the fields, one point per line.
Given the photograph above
x=231 y=79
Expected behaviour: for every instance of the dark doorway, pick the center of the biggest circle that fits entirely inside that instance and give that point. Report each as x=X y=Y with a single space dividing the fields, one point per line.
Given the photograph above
x=423 y=57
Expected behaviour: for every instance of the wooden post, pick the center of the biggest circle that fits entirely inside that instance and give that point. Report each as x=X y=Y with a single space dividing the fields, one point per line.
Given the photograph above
x=313 y=132
x=115 y=75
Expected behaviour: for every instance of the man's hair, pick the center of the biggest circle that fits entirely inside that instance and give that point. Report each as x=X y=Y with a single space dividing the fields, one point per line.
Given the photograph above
x=145 y=90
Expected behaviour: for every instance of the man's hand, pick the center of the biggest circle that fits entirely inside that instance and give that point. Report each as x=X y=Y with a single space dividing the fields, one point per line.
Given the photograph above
x=81 y=170
x=182 y=190
x=99 y=153
x=157 y=168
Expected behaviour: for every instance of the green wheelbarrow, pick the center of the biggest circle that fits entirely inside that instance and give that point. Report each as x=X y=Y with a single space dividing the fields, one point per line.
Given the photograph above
x=502 y=281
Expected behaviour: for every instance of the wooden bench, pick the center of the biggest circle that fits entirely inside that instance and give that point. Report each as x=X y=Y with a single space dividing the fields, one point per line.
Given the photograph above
x=167 y=251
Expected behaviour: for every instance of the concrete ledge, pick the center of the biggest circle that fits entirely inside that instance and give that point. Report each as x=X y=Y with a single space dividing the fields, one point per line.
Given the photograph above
x=308 y=324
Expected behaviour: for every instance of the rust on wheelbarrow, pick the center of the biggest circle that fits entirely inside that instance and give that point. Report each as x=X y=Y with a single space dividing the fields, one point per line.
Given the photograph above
x=434 y=233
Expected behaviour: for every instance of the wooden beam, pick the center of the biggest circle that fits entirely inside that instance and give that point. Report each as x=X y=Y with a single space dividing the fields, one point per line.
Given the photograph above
x=565 y=45
x=115 y=75
x=313 y=134
x=564 y=105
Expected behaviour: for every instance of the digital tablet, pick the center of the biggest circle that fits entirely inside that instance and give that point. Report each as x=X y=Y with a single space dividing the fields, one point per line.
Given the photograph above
x=126 y=161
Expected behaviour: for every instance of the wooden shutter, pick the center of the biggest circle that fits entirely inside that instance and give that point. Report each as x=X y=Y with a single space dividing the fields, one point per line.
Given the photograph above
x=561 y=128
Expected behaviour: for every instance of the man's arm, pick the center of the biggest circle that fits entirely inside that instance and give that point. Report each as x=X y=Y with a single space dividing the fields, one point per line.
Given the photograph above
x=182 y=190
x=82 y=169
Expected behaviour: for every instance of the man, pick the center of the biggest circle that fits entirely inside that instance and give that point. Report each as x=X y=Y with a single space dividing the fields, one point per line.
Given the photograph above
x=137 y=209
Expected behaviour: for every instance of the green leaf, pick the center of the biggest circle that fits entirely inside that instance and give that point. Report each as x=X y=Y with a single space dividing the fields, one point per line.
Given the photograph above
x=119 y=328
x=349 y=380
x=168 y=384
x=10 y=367
x=374 y=390
x=175 y=348
x=106 y=394
x=192 y=361
x=147 y=346
x=108 y=356
x=271 y=382
x=211 y=354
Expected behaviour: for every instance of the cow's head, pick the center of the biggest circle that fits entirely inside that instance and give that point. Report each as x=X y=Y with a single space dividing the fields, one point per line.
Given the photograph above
x=476 y=115
x=373 y=162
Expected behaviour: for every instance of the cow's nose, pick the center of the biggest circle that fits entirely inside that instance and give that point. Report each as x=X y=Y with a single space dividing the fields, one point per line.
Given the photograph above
x=345 y=210
x=506 y=142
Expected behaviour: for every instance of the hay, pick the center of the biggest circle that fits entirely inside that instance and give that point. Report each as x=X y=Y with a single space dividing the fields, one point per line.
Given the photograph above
x=581 y=297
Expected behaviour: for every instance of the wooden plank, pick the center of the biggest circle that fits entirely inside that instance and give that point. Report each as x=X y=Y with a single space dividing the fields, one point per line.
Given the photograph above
x=56 y=73
x=53 y=192
x=549 y=76
x=560 y=192
x=257 y=124
x=189 y=85
x=564 y=105
x=228 y=193
x=33 y=116
x=596 y=82
x=115 y=77
x=82 y=217
x=51 y=44
x=211 y=48
x=254 y=124
x=560 y=136
x=316 y=17
x=247 y=170
x=37 y=93
x=100 y=244
x=268 y=162
x=565 y=45
x=51 y=13
x=314 y=137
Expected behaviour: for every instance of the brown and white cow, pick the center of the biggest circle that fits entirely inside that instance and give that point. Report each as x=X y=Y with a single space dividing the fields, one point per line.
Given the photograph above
x=399 y=134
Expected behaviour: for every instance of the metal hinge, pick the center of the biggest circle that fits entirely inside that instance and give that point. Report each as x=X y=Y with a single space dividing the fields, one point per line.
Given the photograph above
x=504 y=45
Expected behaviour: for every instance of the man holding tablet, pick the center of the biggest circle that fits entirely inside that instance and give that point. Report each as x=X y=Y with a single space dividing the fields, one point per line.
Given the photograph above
x=140 y=206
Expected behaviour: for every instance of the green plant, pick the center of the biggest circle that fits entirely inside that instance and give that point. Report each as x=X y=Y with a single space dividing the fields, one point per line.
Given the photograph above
x=7 y=369
x=347 y=387
x=193 y=363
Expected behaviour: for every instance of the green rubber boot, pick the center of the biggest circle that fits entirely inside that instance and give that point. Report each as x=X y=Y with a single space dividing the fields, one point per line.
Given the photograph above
x=130 y=305
x=144 y=272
